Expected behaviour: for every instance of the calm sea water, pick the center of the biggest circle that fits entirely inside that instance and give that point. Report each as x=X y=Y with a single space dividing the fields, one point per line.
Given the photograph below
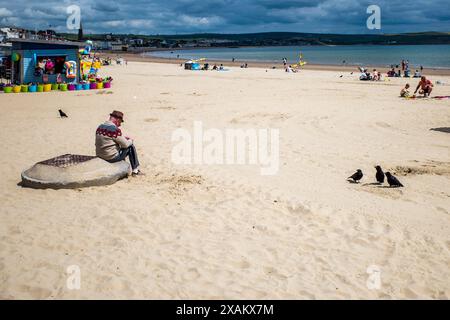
x=436 y=56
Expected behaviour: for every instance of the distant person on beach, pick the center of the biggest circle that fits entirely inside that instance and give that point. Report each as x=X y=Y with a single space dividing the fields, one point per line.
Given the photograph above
x=112 y=146
x=425 y=86
x=284 y=62
x=391 y=73
x=403 y=65
x=399 y=73
x=417 y=74
x=404 y=93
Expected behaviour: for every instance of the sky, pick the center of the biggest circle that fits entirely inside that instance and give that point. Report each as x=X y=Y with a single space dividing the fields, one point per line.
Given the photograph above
x=228 y=16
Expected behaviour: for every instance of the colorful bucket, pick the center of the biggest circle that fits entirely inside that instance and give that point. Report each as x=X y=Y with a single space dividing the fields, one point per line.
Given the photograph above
x=7 y=89
x=24 y=88
x=63 y=87
x=17 y=89
x=99 y=85
x=32 y=88
x=40 y=88
x=55 y=86
x=86 y=86
x=71 y=87
x=79 y=87
x=93 y=85
x=47 y=87
x=107 y=85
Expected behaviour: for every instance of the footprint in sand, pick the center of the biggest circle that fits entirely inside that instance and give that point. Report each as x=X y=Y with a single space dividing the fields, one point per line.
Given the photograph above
x=151 y=120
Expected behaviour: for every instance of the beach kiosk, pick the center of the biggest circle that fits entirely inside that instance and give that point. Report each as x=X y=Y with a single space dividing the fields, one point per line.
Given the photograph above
x=39 y=61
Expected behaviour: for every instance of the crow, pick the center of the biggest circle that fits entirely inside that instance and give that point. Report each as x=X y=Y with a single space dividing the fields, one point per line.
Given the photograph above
x=341 y=76
x=62 y=114
x=393 y=181
x=379 y=175
x=356 y=176
x=351 y=73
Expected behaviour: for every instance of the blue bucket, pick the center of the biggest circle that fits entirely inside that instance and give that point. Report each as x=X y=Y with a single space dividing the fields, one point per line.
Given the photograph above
x=32 y=88
x=86 y=86
x=79 y=87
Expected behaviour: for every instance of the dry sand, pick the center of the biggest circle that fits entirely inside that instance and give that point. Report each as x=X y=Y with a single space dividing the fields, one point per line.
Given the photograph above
x=216 y=231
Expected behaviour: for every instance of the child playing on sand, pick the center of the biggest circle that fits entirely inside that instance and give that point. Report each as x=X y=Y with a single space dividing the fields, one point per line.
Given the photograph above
x=404 y=93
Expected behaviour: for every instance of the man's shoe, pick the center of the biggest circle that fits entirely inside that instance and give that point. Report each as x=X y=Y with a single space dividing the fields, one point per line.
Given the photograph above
x=137 y=173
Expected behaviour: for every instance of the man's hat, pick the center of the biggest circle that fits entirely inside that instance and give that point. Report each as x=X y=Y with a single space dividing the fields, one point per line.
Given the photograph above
x=118 y=115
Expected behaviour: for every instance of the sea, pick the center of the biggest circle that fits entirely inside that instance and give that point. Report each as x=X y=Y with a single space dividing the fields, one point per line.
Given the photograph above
x=431 y=56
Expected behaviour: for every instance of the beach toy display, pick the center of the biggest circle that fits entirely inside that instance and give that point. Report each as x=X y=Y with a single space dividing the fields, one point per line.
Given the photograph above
x=32 y=88
x=86 y=86
x=93 y=85
x=63 y=87
x=17 y=89
x=79 y=87
x=71 y=87
x=99 y=85
x=107 y=85
x=24 y=88
x=7 y=89
x=40 y=88
x=55 y=86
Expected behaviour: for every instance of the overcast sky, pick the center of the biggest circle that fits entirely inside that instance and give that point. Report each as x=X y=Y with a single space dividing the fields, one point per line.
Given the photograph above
x=229 y=16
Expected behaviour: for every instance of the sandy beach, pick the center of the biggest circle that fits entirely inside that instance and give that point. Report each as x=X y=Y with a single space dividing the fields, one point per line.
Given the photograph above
x=226 y=231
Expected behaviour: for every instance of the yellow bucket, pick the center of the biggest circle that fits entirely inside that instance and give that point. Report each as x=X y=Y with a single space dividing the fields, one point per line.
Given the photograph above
x=47 y=87
x=17 y=89
x=99 y=85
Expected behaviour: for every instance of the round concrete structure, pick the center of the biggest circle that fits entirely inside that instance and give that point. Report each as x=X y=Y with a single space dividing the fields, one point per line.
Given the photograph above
x=74 y=171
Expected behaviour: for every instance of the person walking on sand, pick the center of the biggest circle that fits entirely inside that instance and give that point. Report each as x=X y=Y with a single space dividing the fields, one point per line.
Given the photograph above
x=112 y=146
x=425 y=85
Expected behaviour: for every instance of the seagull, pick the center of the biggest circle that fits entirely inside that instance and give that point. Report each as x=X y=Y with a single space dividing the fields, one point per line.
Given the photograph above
x=62 y=114
x=379 y=175
x=393 y=181
x=356 y=176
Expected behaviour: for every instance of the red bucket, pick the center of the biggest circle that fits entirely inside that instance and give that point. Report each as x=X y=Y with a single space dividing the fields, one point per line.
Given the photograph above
x=93 y=85
x=71 y=87
x=107 y=85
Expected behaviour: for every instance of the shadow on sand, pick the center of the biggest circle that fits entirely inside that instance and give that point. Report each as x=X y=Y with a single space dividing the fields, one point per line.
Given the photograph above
x=443 y=129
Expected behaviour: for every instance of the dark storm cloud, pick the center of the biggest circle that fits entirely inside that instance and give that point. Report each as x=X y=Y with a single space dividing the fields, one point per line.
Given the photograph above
x=229 y=16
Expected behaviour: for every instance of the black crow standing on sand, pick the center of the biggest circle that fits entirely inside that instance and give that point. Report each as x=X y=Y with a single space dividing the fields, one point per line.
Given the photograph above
x=393 y=181
x=62 y=114
x=379 y=175
x=356 y=176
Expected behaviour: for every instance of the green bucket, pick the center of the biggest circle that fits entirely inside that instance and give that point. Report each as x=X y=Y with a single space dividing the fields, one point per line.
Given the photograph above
x=7 y=89
x=63 y=87
x=24 y=88
x=40 y=88
x=55 y=86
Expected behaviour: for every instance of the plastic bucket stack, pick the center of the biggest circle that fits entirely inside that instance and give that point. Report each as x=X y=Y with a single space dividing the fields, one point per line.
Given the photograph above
x=47 y=87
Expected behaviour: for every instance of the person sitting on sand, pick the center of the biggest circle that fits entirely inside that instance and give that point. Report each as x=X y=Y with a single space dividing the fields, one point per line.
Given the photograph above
x=425 y=85
x=404 y=93
x=112 y=146
x=417 y=74
x=391 y=73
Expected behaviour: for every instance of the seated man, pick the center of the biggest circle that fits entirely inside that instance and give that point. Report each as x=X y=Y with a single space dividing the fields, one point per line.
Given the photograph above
x=425 y=85
x=404 y=93
x=111 y=146
x=417 y=74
